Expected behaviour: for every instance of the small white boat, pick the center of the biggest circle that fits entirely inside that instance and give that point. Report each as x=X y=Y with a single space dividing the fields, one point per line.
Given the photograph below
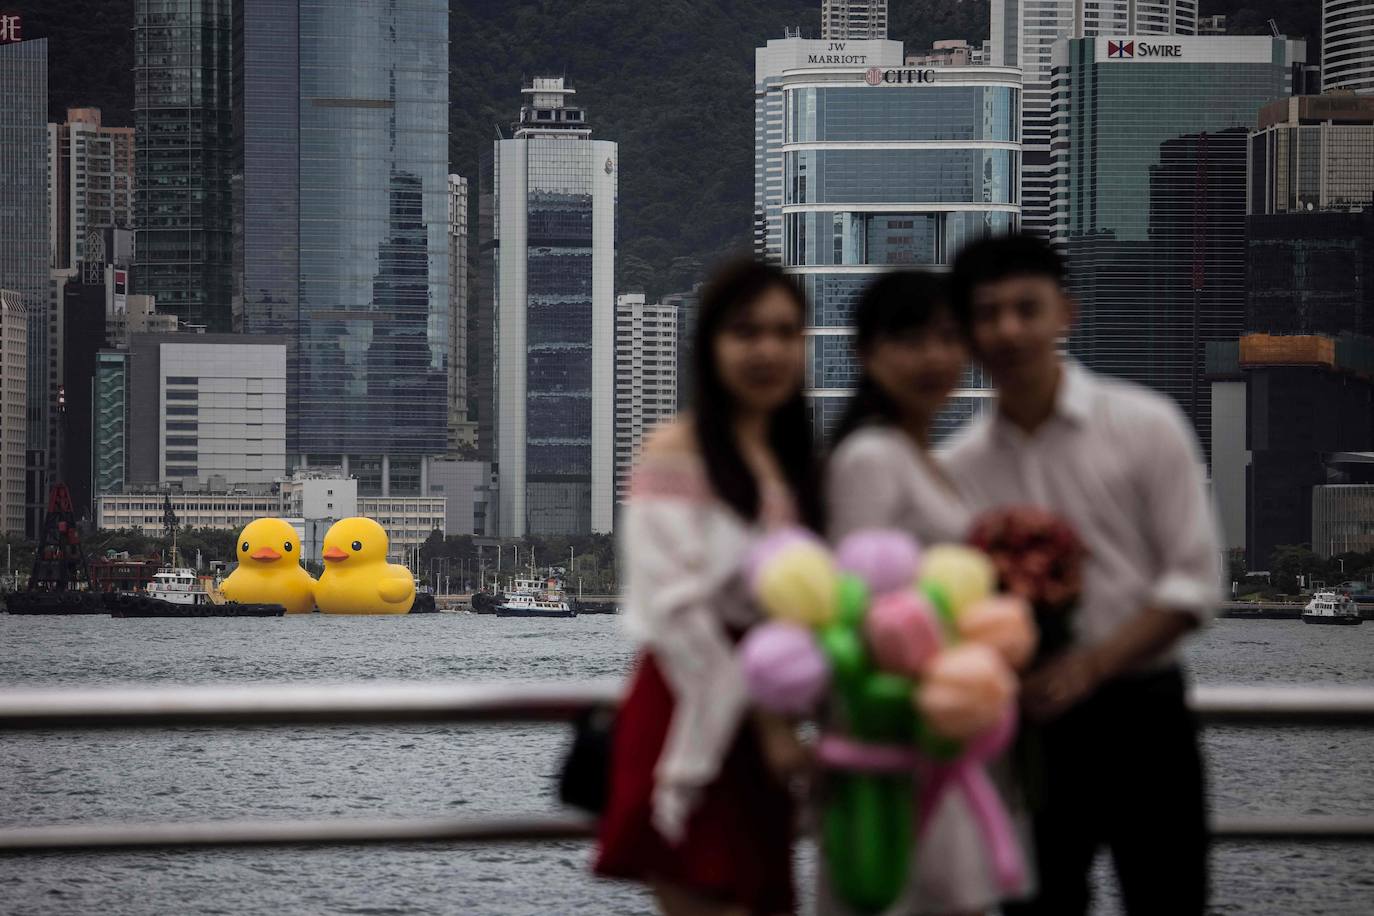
x=1331 y=608
x=178 y=586
x=535 y=598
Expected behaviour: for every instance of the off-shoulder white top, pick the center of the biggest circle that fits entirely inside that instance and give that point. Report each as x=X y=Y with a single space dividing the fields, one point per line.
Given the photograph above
x=683 y=592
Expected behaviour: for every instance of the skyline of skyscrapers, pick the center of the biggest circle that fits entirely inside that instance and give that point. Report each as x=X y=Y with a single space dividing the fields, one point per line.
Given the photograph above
x=294 y=179
x=555 y=248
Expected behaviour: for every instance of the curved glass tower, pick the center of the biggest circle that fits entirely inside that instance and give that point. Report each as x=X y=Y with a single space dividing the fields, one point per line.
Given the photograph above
x=1348 y=45
x=885 y=169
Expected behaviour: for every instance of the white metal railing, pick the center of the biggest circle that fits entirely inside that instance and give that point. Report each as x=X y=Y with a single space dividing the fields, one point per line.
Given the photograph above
x=399 y=704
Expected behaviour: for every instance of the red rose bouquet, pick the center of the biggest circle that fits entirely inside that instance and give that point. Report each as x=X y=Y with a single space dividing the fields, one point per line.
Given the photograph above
x=1038 y=557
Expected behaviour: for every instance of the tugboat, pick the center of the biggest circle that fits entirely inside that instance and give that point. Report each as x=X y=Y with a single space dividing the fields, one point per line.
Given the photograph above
x=1331 y=608
x=536 y=598
x=177 y=592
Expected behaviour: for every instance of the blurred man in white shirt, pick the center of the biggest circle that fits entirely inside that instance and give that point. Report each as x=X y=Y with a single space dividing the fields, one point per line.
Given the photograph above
x=1121 y=464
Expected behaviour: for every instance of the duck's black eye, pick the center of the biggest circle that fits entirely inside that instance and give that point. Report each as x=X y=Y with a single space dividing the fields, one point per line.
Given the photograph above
x=245 y=546
x=357 y=545
x=287 y=545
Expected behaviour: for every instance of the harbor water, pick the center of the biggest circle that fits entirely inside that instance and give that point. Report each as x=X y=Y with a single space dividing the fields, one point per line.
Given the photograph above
x=429 y=770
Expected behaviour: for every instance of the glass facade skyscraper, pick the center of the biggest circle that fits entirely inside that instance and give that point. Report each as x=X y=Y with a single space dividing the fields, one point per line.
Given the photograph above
x=1150 y=187
x=1023 y=35
x=182 y=124
x=554 y=261
x=24 y=251
x=884 y=169
x=341 y=230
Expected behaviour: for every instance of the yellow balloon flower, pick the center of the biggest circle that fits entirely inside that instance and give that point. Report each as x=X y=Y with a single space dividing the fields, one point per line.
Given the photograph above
x=798 y=584
x=963 y=574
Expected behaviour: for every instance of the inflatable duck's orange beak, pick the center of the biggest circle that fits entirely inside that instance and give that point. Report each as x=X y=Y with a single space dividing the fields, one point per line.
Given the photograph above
x=265 y=553
x=334 y=553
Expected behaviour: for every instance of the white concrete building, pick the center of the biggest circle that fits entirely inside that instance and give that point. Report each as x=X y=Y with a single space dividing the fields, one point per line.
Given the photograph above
x=14 y=355
x=645 y=377
x=207 y=406
x=1348 y=45
x=408 y=520
x=555 y=312
x=228 y=510
x=1023 y=35
x=852 y=20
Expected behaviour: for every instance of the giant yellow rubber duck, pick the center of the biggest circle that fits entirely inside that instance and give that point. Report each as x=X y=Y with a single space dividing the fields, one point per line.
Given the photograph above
x=357 y=579
x=269 y=569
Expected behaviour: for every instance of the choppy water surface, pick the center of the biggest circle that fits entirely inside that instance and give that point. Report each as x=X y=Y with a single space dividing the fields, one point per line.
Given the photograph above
x=199 y=774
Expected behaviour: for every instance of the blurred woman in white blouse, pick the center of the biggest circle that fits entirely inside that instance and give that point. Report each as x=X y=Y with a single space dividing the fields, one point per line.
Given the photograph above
x=699 y=806
x=882 y=474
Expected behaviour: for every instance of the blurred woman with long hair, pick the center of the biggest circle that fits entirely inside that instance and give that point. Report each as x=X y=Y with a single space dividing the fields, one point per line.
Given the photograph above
x=699 y=805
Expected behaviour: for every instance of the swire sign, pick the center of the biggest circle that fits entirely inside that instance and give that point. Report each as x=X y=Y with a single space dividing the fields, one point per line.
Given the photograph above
x=1130 y=50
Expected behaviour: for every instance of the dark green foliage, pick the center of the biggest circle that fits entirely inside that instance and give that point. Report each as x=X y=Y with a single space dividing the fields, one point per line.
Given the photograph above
x=212 y=543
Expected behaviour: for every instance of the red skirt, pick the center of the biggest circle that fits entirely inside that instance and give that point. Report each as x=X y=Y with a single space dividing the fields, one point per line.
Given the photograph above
x=738 y=842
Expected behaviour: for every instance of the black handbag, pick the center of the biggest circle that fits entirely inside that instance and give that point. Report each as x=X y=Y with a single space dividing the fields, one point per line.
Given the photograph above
x=585 y=780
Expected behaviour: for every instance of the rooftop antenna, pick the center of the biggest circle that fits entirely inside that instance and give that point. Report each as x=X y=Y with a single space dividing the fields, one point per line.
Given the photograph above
x=1274 y=28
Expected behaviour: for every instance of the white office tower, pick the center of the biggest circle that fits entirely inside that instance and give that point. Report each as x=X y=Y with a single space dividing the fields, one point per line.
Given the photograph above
x=850 y=20
x=1348 y=45
x=795 y=55
x=1023 y=34
x=554 y=256
x=645 y=377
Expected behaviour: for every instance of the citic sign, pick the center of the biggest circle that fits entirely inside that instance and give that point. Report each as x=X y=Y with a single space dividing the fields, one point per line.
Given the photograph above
x=876 y=76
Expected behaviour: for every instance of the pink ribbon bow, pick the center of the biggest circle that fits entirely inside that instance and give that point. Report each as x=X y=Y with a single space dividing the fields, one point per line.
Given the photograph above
x=967 y=773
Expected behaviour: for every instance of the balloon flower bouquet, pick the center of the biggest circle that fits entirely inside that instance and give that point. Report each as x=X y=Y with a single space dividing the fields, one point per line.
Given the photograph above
x=916 y=653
